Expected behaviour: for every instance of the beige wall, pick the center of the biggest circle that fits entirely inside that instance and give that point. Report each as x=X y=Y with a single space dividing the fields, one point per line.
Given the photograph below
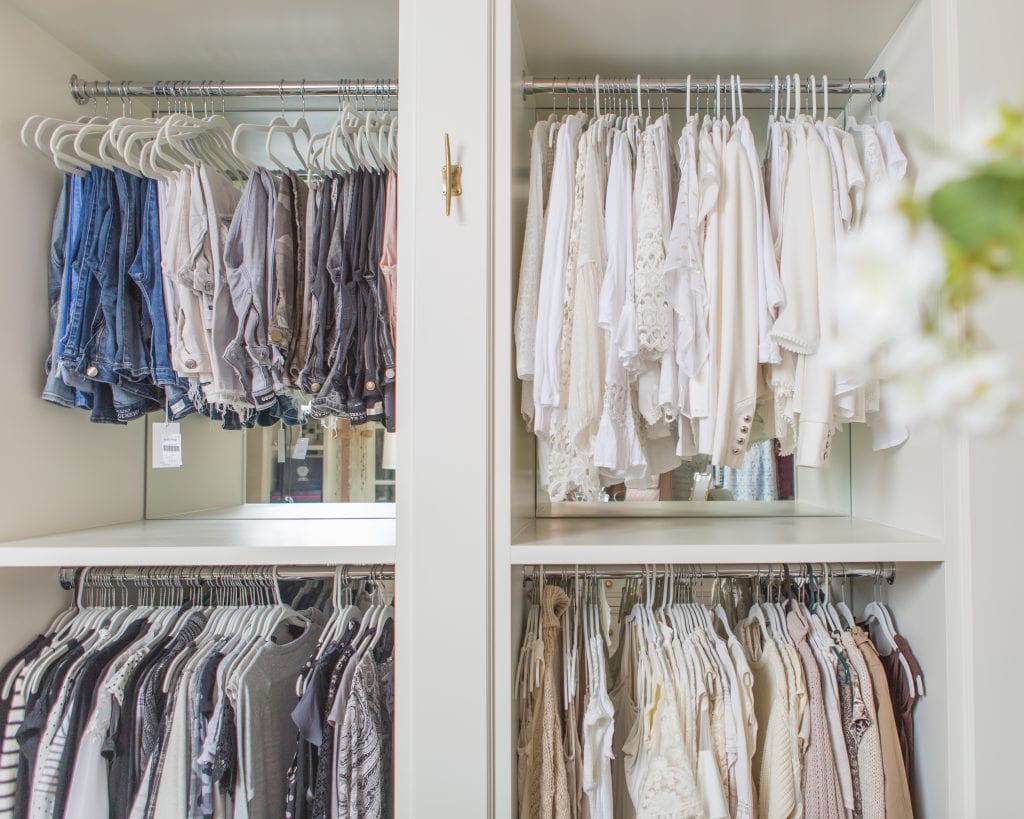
x=59 y=471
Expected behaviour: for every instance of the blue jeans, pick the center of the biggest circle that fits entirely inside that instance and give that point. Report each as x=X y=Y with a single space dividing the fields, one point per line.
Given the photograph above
x=56 y=391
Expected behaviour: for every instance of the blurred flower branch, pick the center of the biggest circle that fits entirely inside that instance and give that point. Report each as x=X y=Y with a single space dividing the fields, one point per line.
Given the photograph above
x=906 y=283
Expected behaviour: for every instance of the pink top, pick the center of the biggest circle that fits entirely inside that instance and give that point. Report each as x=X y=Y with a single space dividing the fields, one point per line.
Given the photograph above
x=389 y=251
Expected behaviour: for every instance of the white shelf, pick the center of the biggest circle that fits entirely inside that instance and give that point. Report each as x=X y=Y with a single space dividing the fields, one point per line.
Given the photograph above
x=702 y=540
x=191 y=542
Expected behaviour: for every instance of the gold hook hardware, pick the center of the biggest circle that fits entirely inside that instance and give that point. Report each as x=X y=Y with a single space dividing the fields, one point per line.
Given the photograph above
x=451 y=178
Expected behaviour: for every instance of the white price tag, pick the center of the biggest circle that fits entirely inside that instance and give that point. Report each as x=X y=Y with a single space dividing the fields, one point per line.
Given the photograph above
x=300 y=449
x=166 y=446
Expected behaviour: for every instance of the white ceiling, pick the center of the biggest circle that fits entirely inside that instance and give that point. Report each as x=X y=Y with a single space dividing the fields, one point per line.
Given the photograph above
x=756 y=38
x=332 y=39
x=226 y=39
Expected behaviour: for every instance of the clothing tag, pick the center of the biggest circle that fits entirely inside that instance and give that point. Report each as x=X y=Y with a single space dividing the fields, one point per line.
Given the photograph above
x=300 y=448
x=166 y=445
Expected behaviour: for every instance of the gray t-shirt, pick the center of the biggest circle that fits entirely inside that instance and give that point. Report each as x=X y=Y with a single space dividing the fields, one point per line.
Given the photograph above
x=266 y=732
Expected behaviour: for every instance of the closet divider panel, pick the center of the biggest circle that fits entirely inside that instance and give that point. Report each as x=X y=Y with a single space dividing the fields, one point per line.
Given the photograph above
x=514 y=450
x=986 y=34
x=444 y=704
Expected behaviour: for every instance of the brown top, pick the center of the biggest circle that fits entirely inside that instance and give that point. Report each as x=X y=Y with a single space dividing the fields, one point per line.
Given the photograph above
x=904 y=696
x=897 y=787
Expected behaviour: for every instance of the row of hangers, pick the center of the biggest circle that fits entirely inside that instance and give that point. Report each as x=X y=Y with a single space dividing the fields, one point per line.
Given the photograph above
x=158 y=147
x=669 y=595
x=244 y=604
x=792 y=85
x=250 y=615
x=346 y=607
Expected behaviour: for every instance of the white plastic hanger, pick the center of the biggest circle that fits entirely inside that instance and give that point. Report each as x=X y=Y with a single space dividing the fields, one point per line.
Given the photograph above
x=843 y=607
x=875 y=611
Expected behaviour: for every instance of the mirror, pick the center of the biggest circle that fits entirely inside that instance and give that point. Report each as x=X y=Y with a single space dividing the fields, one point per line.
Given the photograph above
x=264 y=472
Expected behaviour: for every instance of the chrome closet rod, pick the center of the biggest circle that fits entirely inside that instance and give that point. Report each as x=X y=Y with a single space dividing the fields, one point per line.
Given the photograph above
x=68 y=575
x=706 y=571
x=875 y=85
x=84 y=90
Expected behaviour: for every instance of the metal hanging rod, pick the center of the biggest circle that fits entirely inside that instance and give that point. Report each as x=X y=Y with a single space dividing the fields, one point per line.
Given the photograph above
x=133 y=574
x=84 y=90
x=876 y=85
x=887 y=571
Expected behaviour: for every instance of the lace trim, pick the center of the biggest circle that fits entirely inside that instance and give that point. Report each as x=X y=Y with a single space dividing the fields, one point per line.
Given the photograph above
x=653 y=311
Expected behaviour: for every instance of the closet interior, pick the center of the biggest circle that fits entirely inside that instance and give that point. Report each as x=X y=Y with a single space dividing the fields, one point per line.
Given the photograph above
x=262 y=462
x=205 y=691
x=467 y=518
x=686 y=690
x=847 y=496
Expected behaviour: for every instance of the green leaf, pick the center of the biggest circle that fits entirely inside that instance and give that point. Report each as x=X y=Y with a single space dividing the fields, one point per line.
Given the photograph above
x=983 y=213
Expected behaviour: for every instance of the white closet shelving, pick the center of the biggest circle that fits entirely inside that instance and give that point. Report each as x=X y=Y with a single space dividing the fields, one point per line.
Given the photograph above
x=904 y=503
x=717 y=540
x=466 y=522
x=222 y=542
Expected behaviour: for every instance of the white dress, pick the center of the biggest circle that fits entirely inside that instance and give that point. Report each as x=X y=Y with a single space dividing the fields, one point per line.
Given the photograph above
x=529 y=268
x=654 y=316
x=770 y=296
x=734 y=304
x=546 y=387
x=586 y=369
x=685 y=275
x=805 y=387
x=570 y=471
x=618 y=452
x=598 y=733
x=703 y=386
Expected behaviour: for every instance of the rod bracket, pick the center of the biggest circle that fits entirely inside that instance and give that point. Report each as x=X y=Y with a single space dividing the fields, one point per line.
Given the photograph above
x=78 y=93
x=883 y=79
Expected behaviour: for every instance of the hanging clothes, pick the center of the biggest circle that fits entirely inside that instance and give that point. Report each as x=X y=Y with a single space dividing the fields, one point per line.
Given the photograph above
x=190 y=709
x=250 y=304
x=665 y=302
x=775 y=715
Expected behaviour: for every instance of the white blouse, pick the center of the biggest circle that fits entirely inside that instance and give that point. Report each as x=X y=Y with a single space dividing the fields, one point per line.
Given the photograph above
x=529 y=269
x=546 y=389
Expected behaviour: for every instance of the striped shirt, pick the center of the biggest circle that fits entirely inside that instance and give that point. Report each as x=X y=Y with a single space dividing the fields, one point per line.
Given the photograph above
x=9 y=750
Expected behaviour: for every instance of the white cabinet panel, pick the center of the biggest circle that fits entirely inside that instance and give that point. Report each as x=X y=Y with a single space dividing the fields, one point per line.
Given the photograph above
x=444 y=470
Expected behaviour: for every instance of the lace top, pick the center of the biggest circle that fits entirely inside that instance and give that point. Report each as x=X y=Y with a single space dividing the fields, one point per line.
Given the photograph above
x=533 y=246
x=653 y=311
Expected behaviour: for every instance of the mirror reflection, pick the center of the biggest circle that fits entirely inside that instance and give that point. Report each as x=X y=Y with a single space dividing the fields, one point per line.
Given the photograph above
x=314 y=463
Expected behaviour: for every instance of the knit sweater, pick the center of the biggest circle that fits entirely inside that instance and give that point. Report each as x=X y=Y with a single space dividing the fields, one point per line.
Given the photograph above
x=547 y=793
